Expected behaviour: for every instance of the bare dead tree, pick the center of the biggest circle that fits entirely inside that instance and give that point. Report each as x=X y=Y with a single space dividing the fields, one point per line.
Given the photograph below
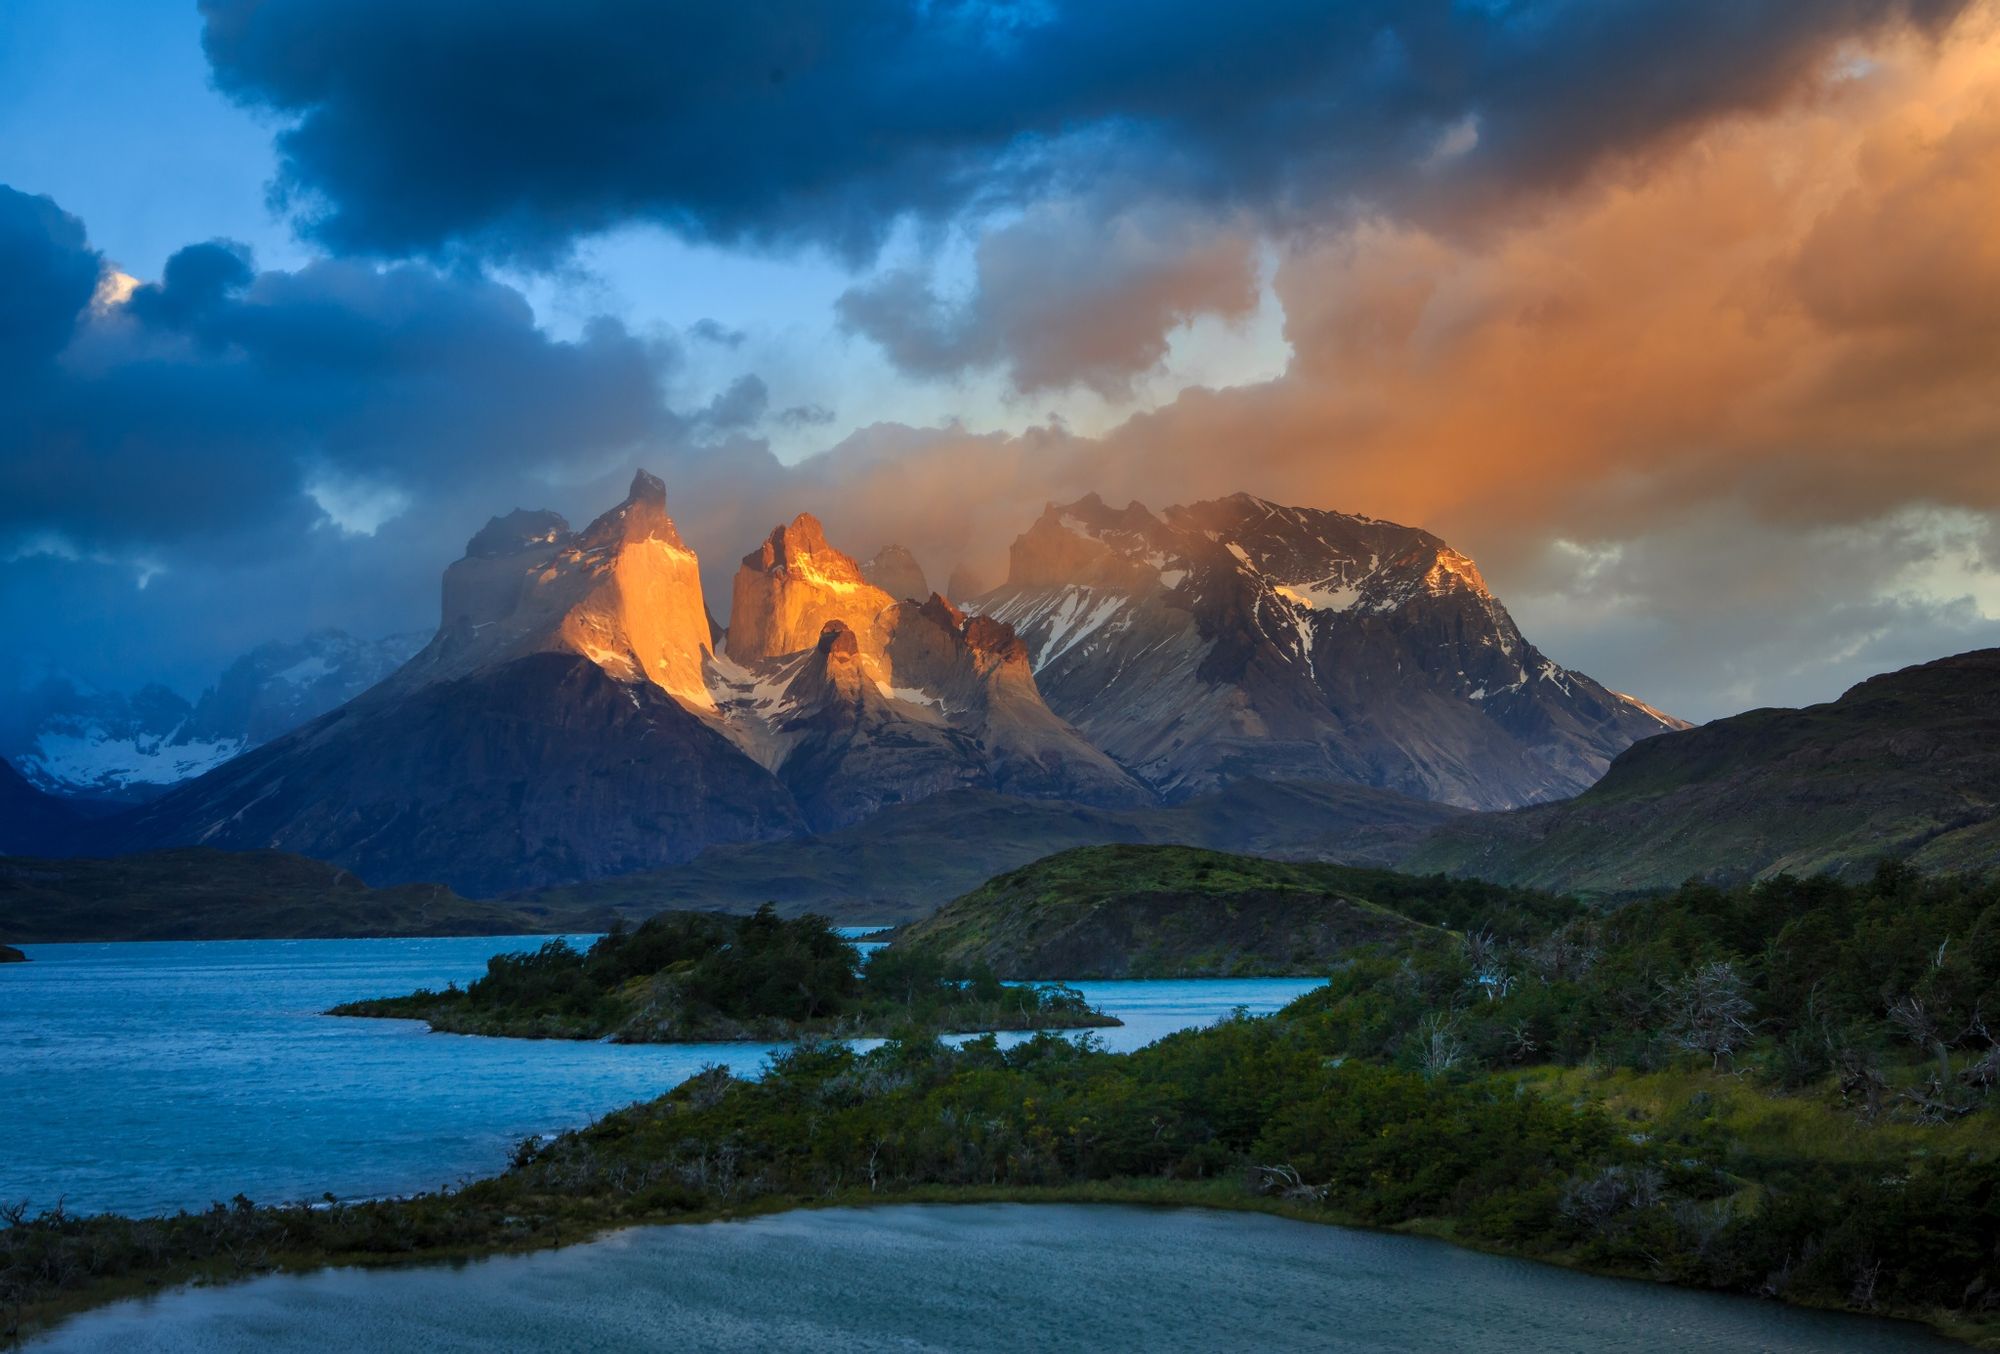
x=1709 y=1010
x=1439 y=1049
x=1286 y=1183
x=1908 y=1014
x=1521 y=1042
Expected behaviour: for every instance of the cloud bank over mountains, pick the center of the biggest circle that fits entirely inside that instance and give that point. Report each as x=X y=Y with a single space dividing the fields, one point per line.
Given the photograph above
x=1679 y=316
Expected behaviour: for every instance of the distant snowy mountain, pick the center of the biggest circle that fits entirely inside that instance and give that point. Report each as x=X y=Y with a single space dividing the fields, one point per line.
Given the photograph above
x=1239 y=637
x=276 y=687
x=81 y=742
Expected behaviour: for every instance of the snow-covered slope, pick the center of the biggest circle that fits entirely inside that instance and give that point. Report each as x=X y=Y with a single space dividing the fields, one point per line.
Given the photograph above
x=77 y=741
x=1239 y=637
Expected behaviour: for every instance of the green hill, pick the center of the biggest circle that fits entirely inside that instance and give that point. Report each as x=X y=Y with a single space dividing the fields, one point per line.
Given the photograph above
x=1906 y=764
x=1172 y=911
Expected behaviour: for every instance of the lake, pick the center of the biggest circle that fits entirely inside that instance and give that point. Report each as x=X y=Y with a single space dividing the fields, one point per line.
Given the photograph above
x=147 y=1077
x=974 y=1277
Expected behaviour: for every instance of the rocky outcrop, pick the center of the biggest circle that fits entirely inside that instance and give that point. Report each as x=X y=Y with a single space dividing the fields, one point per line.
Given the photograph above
x=624 y=593
x=857 y=701
x=1241 y=638
x=895 y=571
x=791 y=587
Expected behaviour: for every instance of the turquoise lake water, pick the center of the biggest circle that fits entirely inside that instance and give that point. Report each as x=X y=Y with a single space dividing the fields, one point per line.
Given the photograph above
x=139 y=1078
x=979 y=1278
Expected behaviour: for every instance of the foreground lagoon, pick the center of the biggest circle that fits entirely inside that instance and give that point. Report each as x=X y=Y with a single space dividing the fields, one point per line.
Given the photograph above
x=142 y=1078
x=974 y=1277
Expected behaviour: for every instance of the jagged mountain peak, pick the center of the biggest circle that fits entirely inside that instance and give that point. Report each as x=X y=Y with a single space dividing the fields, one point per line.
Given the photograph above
x=624 y=593
x=1238 y=636
x=896 y=571
x=791 y=586
x=641 y=517
x=800 y=547
x=520 y=530
x=836 y=640
x=939 y=609
x=647 y=488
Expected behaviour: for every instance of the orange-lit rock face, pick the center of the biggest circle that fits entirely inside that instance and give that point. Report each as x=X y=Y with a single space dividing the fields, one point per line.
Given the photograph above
x=790 y=588
x=625 y=593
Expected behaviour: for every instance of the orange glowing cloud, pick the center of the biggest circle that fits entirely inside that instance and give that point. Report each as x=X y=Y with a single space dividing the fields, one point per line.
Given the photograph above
x=1797 y=312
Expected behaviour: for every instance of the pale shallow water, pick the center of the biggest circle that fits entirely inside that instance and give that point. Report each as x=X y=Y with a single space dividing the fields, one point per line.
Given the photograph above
x=979 y=1277
x=139 y=1078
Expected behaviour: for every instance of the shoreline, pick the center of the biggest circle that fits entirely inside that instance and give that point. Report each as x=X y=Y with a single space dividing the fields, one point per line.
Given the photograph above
x=1213 y=1195
x=735 y=1032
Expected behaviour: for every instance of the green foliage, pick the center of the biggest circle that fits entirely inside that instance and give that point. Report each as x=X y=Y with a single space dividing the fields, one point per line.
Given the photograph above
x=1890 y=989
x=702 y=976
x=1178 y=911
x=1703 y=1088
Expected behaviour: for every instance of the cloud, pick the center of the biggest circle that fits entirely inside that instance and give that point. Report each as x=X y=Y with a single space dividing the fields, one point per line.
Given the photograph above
x=1717 y=609
x=198 y=416
x=1779 y=343
x=514 y=128
x=50 y=273
x=716 y=332
x=1064 y=296
x=805 y=416
x=1733 y=346
x=262 y=450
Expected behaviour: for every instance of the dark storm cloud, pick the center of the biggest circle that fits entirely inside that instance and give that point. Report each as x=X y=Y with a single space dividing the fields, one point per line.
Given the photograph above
x=48 y=272
x=511 y=127
x=191 y=466
x=221 y=411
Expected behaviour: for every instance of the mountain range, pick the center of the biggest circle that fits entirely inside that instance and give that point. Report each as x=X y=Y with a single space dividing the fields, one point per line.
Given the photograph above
x=105 y=748
x=580 y=713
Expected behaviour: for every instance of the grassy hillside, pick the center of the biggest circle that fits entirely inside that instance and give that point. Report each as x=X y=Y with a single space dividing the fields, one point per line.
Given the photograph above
x=905 y=862
x=1172 y=911
x=1905 y=765
x=200 y=894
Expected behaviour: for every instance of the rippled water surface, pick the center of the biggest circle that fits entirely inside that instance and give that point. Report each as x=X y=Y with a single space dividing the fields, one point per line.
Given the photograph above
x=976 y=1278
x=143 y=1077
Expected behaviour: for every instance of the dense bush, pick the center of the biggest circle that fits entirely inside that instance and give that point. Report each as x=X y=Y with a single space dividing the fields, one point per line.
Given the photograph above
x=696 y=975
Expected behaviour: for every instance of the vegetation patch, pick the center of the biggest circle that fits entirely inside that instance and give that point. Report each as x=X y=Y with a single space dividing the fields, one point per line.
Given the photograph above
x=697 y=977
x=1180 y=912
x=1785 y=1090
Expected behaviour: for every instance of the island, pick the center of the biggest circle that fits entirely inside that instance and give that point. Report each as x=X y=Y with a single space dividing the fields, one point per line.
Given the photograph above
x=1178 y=912
x=10 y=955
x=703 y=977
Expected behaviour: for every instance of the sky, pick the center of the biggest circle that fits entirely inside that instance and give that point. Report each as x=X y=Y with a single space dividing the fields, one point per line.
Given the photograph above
x=1681 y=316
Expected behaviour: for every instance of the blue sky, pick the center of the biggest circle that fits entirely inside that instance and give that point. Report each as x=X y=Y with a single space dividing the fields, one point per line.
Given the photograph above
x=1643 y=304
